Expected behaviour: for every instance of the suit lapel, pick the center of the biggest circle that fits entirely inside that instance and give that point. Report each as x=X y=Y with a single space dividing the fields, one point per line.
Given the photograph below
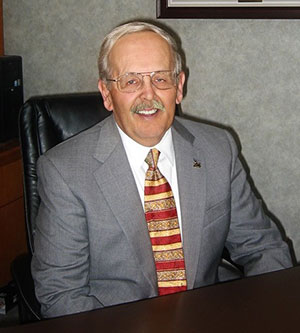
x=192 y=189
x=117 y=184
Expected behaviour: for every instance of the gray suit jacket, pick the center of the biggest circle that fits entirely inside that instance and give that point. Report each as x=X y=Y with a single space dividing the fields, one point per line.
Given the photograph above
x=92 y=247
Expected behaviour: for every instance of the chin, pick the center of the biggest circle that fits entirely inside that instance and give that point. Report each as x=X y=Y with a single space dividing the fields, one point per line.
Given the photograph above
x=150 y=140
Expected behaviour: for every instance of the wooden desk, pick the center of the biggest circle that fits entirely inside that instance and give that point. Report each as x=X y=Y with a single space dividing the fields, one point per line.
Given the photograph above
x=267 y=303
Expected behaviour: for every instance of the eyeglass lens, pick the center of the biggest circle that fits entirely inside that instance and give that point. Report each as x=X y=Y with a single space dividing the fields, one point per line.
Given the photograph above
x=131 y=82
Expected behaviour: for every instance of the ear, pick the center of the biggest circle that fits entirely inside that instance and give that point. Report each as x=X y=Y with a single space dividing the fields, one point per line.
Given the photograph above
x=180 y=85
x=106 y=95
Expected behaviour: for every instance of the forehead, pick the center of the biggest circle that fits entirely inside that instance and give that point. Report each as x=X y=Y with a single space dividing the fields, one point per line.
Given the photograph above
x=140 y=52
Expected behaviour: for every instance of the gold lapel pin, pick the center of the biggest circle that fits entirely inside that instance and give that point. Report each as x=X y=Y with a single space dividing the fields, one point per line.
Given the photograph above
x=196 y=164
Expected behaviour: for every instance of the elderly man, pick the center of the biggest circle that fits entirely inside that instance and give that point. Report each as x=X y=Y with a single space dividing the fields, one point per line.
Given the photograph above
x=143 y=204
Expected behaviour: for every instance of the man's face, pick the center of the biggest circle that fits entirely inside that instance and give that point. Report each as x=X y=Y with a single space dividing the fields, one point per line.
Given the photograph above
x=142 y=52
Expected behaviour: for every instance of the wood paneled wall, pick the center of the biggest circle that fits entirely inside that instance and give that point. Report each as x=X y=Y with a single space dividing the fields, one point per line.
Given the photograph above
x=1 y=29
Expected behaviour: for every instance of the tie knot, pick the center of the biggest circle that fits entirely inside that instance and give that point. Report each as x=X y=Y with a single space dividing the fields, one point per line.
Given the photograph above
x=152 y=158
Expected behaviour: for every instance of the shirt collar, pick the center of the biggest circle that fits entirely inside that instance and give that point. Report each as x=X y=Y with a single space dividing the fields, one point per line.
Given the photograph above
x=139 y=152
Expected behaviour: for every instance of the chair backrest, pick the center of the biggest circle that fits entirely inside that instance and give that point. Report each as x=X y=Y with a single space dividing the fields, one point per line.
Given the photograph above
x=43 y=123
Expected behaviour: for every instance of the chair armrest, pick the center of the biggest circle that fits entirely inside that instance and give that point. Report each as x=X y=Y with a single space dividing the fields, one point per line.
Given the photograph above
x=28 y=305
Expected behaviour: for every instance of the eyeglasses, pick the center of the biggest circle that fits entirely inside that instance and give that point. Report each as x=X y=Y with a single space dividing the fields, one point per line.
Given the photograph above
x=131 y=82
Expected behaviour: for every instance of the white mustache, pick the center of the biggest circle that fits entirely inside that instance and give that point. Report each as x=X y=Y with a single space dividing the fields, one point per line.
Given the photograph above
x=152 y=105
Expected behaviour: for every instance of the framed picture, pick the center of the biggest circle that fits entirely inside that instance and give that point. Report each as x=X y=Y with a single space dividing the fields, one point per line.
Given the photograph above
x=243 y=9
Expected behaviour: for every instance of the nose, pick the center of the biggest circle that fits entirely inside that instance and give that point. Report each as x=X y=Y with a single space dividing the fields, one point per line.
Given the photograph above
x=147 y=88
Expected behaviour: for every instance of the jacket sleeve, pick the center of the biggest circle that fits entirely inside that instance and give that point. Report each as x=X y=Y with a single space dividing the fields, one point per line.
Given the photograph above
x=60 y=264
x=254 y=240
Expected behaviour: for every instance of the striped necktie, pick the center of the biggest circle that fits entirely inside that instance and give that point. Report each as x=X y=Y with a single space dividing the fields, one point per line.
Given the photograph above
x=164 y=230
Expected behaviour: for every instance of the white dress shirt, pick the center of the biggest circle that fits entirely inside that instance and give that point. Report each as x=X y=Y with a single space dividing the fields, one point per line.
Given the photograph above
x=136 y=154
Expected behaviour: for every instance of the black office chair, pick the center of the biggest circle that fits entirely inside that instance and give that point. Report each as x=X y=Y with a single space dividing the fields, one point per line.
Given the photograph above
x=43 y=123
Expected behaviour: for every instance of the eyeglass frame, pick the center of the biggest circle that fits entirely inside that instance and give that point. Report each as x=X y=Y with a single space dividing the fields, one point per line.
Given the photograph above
x=150 y=74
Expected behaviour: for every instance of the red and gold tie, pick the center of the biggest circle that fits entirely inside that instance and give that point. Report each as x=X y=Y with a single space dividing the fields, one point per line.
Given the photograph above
x=164 y=230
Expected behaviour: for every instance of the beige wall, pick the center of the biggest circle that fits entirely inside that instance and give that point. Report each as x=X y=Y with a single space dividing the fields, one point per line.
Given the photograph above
x=1 y=29
x=242 y=73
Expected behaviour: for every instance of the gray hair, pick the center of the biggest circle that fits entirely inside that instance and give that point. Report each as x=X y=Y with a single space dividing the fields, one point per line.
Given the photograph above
x=129 y=28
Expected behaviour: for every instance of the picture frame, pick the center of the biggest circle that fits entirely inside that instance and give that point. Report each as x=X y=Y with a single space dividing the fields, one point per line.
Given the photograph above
x=228 y=9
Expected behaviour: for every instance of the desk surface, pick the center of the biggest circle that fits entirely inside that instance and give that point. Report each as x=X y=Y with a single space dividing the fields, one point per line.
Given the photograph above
x=266 y=303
